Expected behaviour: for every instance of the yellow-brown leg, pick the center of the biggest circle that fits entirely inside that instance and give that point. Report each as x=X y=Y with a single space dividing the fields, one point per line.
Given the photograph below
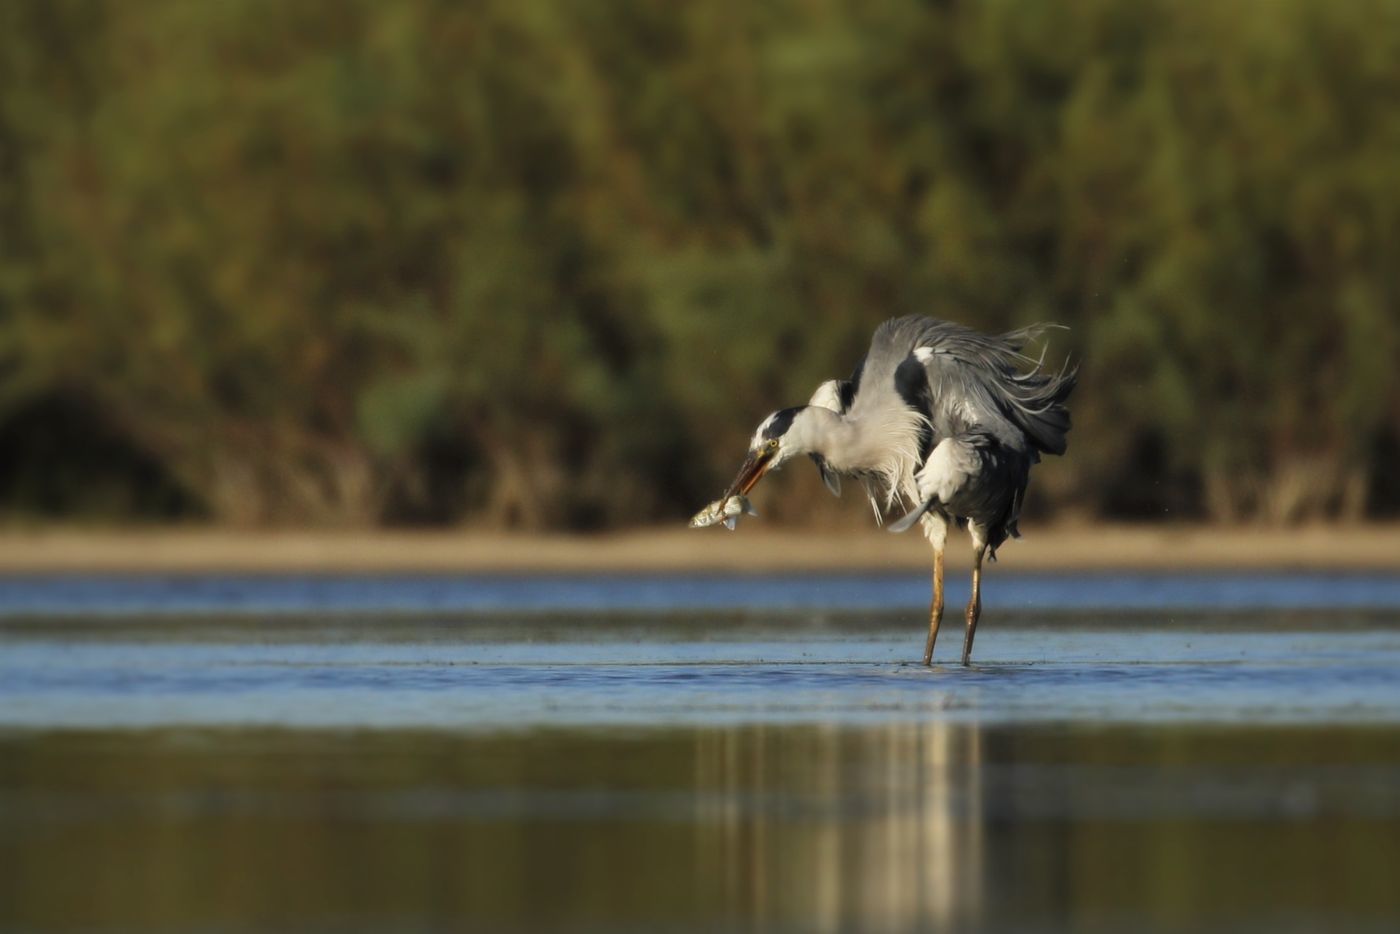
x=974 y=604
x=935 y=610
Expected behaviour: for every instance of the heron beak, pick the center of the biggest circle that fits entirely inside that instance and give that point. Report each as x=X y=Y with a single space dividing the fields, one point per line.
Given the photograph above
x=753 y=469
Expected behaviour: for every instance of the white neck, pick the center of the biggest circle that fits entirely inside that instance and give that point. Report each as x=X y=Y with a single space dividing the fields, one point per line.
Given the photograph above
x=885 y=444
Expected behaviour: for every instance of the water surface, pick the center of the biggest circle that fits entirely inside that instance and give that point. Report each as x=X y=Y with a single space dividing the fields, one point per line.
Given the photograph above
x=207 y=754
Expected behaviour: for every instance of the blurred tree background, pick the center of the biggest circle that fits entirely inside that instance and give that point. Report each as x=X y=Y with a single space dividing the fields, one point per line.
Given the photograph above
x=545 y=263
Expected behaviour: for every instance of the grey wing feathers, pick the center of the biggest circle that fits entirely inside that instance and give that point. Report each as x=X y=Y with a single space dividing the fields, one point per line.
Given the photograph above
x=984 y=380
x=1038 y=397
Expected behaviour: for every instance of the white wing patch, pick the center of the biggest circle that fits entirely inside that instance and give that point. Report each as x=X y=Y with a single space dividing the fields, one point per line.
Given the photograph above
x=827 y=396
x=946 y=470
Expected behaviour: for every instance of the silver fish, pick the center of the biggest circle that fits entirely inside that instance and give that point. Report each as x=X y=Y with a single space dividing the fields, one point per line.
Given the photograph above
x=727 y=511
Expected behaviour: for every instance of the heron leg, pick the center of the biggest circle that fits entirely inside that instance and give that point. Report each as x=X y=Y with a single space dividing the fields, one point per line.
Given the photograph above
x=935 y=610
x=974 y=604
x=936 y=528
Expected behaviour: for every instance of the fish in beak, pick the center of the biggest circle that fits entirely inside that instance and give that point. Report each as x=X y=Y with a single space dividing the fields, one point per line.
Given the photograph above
x=727 y=511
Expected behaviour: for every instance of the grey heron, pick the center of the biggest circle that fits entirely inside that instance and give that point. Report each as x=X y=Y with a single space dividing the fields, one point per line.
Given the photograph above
x=940 y=417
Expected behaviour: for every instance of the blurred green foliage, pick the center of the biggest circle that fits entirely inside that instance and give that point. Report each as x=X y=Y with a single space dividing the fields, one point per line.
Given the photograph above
x=543 y=263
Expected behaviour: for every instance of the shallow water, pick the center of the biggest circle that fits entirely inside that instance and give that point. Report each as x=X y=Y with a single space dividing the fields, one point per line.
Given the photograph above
x=478 y=676
x=565 y=753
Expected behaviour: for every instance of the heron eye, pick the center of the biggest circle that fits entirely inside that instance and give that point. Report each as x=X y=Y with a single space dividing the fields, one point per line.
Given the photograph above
x=772 y=444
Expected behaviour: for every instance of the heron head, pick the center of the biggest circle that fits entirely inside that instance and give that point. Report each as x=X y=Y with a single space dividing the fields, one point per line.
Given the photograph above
x=780 y=437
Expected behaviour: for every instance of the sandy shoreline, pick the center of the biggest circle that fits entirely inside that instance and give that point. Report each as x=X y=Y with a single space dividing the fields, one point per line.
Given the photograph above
x=1109 y=547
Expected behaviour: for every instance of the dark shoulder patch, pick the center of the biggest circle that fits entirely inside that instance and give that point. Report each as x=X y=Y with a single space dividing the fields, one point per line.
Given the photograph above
x=782 y=421
x=854 y=381
x=846 y=392
x=911 y=382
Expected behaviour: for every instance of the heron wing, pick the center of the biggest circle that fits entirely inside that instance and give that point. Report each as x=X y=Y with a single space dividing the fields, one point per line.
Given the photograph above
x=834 y=394
x=973 y=476
x=978 y=380
x=961 y=399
